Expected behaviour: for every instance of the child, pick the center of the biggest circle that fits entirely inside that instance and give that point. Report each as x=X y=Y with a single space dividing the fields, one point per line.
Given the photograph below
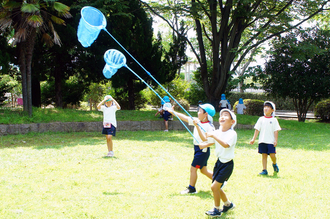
x=240 y=106
x=223 y=102
x=268 y=127
x=225 y=140
x=205 y=114
x=160 y=110
x=109 y=106
x=166 y=114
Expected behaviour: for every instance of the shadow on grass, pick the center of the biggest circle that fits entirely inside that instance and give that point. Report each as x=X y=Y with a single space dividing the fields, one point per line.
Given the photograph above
x=201 y=194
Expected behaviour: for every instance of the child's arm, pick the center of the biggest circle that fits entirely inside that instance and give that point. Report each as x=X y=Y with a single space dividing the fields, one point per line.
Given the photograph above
x=102 y=102
x=205 y=145
x=276 y=136
x=180 y=115
x=200 y=132
x=256 y=133
x=222 y=143
x=117 y=104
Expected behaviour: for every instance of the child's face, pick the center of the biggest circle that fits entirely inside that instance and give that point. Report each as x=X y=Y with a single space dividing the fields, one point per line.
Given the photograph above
x=201 y=114
x=108 y=103
x=268 y=111
x=225 y=120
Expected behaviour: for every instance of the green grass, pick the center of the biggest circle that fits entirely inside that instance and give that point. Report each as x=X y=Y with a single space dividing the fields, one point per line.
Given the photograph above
x=65 y=175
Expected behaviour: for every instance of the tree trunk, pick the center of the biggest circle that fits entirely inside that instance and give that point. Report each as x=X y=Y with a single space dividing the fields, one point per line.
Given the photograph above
x=25 y=61
x=36 y=92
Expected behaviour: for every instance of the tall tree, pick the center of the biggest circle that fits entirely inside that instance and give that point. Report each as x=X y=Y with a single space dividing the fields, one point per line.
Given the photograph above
x=27 y=19
x=299 y=68
x=222 y=25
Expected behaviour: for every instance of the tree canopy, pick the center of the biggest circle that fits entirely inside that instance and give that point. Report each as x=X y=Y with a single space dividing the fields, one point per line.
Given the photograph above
x=299 y=68
x=233 y=29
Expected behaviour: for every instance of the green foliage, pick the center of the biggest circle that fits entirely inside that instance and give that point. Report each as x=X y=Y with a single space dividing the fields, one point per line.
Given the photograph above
x=322 y=110
x=177 y=88
x=299 y=68
x=281 y=103
x=254 y=107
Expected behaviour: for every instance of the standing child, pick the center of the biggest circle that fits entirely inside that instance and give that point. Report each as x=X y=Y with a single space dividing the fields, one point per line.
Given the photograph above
x=223 y=102
x=225 y=140
x=240 y=107
x=109 y=106
x=268 y=127
x=201 y=156
x=166 y=114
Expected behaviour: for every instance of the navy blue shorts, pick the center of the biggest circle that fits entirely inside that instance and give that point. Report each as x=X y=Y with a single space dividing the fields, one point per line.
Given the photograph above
x=166 y=115
x=200 y=157
x=222 y=171
x=109 y=131
x=266 y=149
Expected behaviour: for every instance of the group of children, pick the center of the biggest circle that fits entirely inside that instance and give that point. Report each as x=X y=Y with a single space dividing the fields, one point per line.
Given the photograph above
x=205 y=135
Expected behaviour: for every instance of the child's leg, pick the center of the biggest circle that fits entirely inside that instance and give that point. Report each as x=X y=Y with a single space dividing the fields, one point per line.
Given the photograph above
x=273 y=157
x=109 y=142
x=264 y=161
x=166 y=125
x=206 y=172
x=193 y=176
x=217 y=193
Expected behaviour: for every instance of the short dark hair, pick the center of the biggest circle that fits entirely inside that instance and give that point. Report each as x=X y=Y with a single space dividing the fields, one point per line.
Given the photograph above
x=268 y=104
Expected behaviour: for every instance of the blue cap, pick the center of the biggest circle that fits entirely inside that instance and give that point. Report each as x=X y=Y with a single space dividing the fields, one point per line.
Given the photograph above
x=208 y=108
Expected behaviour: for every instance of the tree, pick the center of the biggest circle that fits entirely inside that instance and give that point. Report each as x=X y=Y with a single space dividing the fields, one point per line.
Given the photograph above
x=222 y=25
x=27 y=19
x=299 y=68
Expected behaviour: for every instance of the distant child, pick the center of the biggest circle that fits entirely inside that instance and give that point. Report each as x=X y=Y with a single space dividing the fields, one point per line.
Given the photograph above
x=225 y=140
x=268 y=127
x=201 y=156
x=166 y=114
x=228 y=105
x=199 y=103
x=240 y=107
x=109 y=106
x=223 y=102
x=160 y=110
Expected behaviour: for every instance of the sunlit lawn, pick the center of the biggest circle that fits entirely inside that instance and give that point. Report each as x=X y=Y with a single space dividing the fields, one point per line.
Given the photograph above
x=65 y=175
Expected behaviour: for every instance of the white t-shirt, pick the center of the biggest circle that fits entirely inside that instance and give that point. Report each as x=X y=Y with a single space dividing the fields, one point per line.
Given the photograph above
x=109 y=114
x=240 y=107
x=207 y=126
x=223 y=103
x=267 y=126
x=168 y=105
x=230 y=137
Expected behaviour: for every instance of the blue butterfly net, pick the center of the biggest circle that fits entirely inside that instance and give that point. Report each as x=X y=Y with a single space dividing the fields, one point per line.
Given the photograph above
x=114 y=61
x=91 y=23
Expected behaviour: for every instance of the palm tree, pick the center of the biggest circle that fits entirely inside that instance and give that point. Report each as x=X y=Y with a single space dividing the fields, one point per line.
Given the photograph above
x=28 y=19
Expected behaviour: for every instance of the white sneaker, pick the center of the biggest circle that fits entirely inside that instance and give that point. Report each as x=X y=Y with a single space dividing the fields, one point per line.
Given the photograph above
x=166 y=130
x=110 y=154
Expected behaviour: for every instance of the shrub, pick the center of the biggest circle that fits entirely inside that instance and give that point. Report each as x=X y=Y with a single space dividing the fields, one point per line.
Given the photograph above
x=253 y=107
x=183 y=102
x=322 y=110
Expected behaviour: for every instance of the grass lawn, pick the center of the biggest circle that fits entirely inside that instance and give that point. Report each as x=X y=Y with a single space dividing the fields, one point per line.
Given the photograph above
x=65 y=175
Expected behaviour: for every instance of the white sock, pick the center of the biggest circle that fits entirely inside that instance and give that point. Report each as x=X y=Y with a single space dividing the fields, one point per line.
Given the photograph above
x=218 y=208
x=227 y=203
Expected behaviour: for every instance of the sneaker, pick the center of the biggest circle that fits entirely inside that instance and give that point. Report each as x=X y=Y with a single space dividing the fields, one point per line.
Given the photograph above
x=165 y=130
x=110 y=154
x=188 y=190
x=227 y=208
x=264 y=172
x=214 y=213
x=276 y=169
x=170 y=119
